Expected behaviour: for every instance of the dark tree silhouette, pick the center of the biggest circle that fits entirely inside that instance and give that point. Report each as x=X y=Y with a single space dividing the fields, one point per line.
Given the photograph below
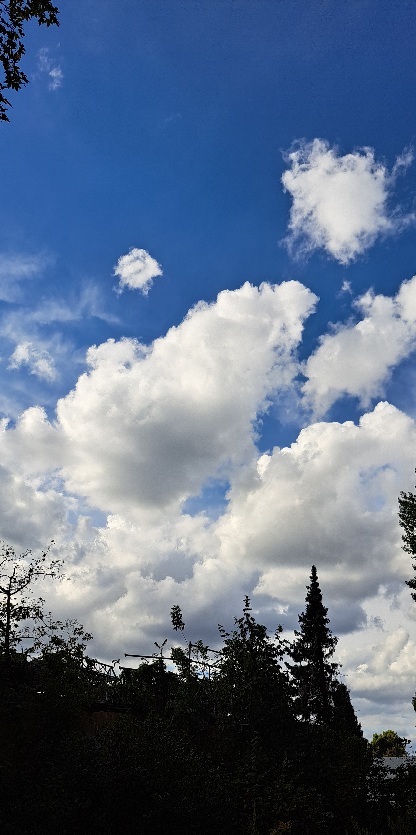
x=313 y=673
x=407 y=520
x=343 y=712
x=13 y=15
x=17 y=604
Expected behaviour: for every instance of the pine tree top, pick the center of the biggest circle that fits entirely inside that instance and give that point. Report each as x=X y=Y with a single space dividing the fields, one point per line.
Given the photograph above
x=314 y=621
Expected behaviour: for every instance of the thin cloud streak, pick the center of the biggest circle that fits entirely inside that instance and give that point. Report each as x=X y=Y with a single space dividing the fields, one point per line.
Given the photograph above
x=17 y=267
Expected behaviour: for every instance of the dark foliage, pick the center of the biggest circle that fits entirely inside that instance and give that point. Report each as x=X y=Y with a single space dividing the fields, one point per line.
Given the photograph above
x=407 y=520
x=251 y=686
x=21 y=614
x=204 y=749
x=13 y=15
x=312 y=672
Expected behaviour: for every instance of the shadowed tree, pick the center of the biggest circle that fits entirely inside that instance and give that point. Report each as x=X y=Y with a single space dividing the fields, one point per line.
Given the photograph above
x=249 y=676
x=343 y=711
x=13 y=15
x=407 y=520
x=17 y=604
x=313 y=673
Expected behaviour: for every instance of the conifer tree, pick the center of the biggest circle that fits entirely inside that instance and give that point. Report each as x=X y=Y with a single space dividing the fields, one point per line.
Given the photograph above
x=407 y=520
x=313 y=673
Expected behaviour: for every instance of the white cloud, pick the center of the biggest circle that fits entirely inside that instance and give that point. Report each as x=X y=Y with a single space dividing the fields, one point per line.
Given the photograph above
x=330 y=500
x=33 y=339
x=33 y=448
x=29 y=516
x=136 y=270
x=17 y=267
x=178 y=412
x=357 y=359
x=340 y=203
x=38 y=360
x=56 y=75
x=346 y=288
x=48 y=65
x=388 y=671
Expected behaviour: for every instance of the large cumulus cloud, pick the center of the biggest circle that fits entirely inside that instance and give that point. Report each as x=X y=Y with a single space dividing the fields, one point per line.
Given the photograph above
x=143 y=430
x=147 y=425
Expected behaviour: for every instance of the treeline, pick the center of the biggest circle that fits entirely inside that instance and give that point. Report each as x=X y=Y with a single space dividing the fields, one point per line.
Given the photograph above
x=256 y=738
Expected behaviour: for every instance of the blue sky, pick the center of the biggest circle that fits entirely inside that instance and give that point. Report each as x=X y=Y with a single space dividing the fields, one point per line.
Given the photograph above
x=207 y=246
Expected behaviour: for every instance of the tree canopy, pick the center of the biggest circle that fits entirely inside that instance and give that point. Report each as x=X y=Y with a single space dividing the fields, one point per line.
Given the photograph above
x=249 y=673
x=389 y=744
x=18 y=572
x=13 y=15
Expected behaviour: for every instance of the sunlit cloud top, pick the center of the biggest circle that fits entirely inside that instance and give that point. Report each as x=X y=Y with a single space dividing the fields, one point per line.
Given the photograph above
x=136 y=270
x=340 y=203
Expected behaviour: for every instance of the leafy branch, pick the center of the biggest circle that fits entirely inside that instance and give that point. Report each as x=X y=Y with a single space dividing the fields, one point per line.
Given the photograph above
x=13 y=15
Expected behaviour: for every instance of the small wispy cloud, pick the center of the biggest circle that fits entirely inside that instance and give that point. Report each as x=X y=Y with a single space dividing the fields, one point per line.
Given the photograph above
x=56 y=76
x=174 y=117
x=340 y=203
x=37 y=360
x=136 y=270
x=88 y=304
x=346 y=288
x=49 y=66
x=17 y=267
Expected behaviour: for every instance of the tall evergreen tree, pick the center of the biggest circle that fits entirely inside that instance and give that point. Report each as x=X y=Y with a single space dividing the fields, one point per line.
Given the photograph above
x=407 y=520
x=313 y=673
